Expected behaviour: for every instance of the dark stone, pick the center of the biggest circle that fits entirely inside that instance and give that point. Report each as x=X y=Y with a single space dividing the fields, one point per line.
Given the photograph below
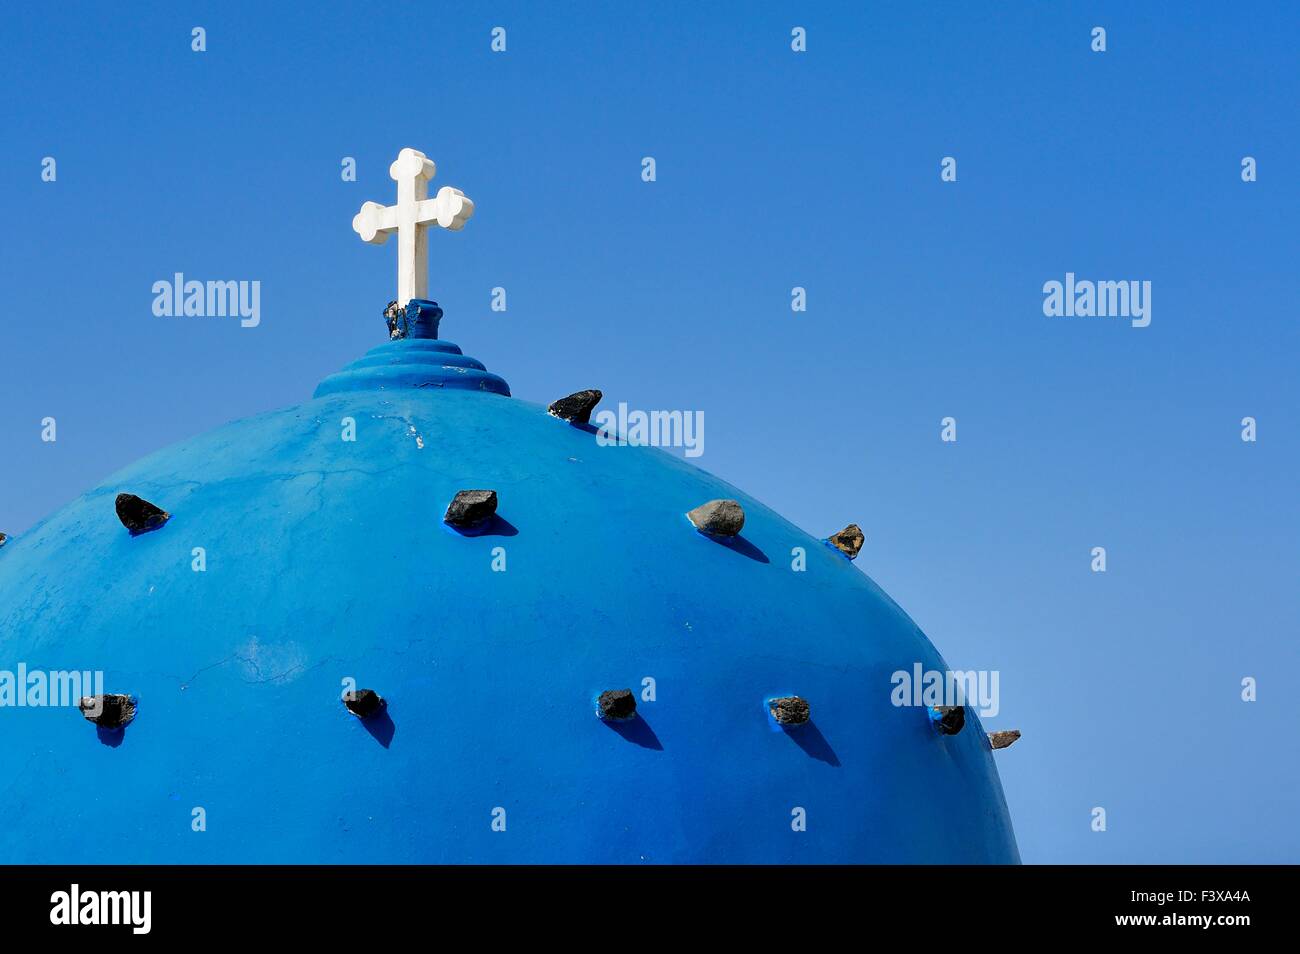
x=418 y=318
x=949 y=719
x=1000 y=740
x=395 y=315
x=790 y=710
x=364 y=702
x=109 y=711
x=720 y=518
x=577 y=407
x=849 y=540
x=618 y=705
x=139 y=515
x=471 y=508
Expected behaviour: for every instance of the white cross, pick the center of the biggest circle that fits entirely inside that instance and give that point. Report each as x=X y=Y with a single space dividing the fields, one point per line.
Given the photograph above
x=411 y=218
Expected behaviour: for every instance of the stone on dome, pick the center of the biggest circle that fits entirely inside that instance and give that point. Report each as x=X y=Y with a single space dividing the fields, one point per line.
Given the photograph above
x=471 y=509
x=363 y=702
x=577 y=407
x=719 y=518
x=848 y=541
x=790 y=710
x=617 y=705
x=139 y=515
x=948 y=719
x=1003 y=738
x=108 y=711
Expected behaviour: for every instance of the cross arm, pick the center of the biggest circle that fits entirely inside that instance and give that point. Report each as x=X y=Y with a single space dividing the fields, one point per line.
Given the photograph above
x=375 y=222
x=450 y=208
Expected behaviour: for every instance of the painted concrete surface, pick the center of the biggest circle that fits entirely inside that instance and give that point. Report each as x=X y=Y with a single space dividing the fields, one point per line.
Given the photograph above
x=327 y=560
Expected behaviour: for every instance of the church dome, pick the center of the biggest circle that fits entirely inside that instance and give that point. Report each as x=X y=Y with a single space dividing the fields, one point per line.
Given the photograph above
x=418 y=620
x=326 y=563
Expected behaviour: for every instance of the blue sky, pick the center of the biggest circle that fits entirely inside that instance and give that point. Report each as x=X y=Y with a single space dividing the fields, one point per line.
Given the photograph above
x=774 y=169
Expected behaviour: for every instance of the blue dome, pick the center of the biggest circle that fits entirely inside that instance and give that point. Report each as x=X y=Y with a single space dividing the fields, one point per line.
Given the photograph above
x=328 y=560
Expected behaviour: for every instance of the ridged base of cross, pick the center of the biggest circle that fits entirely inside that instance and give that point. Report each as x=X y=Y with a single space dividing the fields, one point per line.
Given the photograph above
x=418 y=319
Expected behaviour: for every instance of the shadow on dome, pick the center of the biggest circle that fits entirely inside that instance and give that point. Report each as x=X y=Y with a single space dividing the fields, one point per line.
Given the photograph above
x=637 y=730
x=809 y=738
x=381 y=727
x=496 y=526
x=741 y=546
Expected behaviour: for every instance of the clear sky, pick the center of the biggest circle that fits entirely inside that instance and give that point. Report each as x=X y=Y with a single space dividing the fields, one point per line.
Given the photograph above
x=774 y=169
